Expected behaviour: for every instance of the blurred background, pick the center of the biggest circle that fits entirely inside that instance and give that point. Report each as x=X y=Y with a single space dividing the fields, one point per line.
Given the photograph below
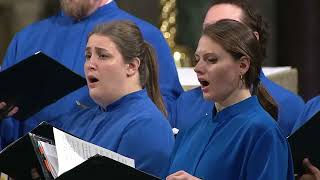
x=295 y=29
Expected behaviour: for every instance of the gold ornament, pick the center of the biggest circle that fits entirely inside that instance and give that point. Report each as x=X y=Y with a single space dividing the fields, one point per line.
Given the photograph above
x=168 y=27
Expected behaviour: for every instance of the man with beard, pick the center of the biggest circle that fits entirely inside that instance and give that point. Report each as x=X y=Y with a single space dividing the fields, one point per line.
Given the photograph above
x=63 y=37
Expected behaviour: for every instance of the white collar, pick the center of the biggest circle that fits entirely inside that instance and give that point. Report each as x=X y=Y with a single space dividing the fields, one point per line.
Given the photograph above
x=108 y=2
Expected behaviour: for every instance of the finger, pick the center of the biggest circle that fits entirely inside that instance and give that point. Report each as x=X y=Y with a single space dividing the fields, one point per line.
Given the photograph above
x=312 y=169
x=179 y=177
x=13 y=111
x=2 y=105
x=175 y=176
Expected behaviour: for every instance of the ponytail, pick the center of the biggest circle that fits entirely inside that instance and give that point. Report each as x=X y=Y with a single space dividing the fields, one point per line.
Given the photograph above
x=149 y=78
x=267 y=101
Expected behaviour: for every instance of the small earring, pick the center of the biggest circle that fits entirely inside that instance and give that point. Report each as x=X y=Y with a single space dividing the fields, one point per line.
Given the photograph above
x=242 y=81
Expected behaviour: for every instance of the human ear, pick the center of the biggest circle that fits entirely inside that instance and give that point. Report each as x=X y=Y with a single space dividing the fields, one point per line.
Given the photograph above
x=256 y=34
x=244 y=64
x=133 y=67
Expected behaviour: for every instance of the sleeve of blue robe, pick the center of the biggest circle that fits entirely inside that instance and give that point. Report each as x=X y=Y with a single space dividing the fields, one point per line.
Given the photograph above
x=9 y=131
x=310 y=109
x=269 y=158
x=139 y=143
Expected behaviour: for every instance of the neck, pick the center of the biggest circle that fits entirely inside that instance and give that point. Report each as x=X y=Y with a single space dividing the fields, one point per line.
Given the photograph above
x=234 y=98
x=127 y=88
x=103 y=2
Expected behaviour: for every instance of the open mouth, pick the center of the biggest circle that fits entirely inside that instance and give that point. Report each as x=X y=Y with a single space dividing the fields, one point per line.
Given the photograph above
x=204 y=83
x=92 y=79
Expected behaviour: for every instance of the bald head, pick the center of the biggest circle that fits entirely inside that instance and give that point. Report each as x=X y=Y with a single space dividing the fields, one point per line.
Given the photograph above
x=223 y=11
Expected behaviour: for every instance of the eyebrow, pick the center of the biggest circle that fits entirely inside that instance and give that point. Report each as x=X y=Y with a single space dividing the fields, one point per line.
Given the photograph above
x=100 y=49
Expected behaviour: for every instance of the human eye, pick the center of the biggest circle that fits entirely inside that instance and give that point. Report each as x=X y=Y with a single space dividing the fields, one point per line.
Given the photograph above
x=87 y=56
x=211 y=59
x=103 y=56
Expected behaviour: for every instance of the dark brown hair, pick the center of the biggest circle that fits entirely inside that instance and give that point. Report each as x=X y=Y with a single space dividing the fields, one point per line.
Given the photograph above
x=239 y=40
x=251 y=18
x=129 y=41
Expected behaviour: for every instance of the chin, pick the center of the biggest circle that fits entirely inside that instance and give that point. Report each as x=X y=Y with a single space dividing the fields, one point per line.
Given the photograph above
x=206 y=96
x=93 y=94
x=209 y=97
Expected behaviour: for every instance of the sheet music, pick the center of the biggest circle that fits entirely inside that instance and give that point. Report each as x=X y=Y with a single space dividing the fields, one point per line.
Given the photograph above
x=51 y=156
x=72 y=151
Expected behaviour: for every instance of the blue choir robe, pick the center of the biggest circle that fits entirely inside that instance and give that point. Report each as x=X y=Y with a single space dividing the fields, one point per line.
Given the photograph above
x=191 y=107
x=311 y=108
x=131 y=126
x=240 y=142
x=64 y=39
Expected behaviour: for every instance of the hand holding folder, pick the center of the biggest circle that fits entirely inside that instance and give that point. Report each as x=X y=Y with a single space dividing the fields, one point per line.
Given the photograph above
x=34 y=83
x=7 y=110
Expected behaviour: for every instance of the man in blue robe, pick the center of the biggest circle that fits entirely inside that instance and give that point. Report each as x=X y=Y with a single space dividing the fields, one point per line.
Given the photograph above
x=190 y=106
x=64 y=37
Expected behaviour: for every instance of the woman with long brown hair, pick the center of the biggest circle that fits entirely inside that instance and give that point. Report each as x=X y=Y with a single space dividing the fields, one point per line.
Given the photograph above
x=122 y=77
x=241 y=140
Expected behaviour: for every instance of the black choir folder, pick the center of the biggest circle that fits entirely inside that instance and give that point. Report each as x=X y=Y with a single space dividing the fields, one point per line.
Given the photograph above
x=303 y=144
x=34 y=83
x=50 y=153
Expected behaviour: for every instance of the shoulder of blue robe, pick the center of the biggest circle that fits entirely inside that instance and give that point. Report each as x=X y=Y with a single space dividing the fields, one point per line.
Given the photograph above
x=190 y=107
x=150 y=142
x=310 y=109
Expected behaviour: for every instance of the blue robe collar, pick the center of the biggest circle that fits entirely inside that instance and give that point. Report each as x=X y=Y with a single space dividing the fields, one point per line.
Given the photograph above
x=105 y=9
x=231 y=111
x=124 y=100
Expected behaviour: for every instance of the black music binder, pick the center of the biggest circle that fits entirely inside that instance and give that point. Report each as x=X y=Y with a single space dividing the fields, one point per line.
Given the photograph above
x=34 y=83
x=303 y=143
x=19 y=158
x=100 y=167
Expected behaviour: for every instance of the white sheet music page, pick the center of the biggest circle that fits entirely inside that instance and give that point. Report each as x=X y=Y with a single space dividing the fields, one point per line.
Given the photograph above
x=72 y=151
x=50 y=153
